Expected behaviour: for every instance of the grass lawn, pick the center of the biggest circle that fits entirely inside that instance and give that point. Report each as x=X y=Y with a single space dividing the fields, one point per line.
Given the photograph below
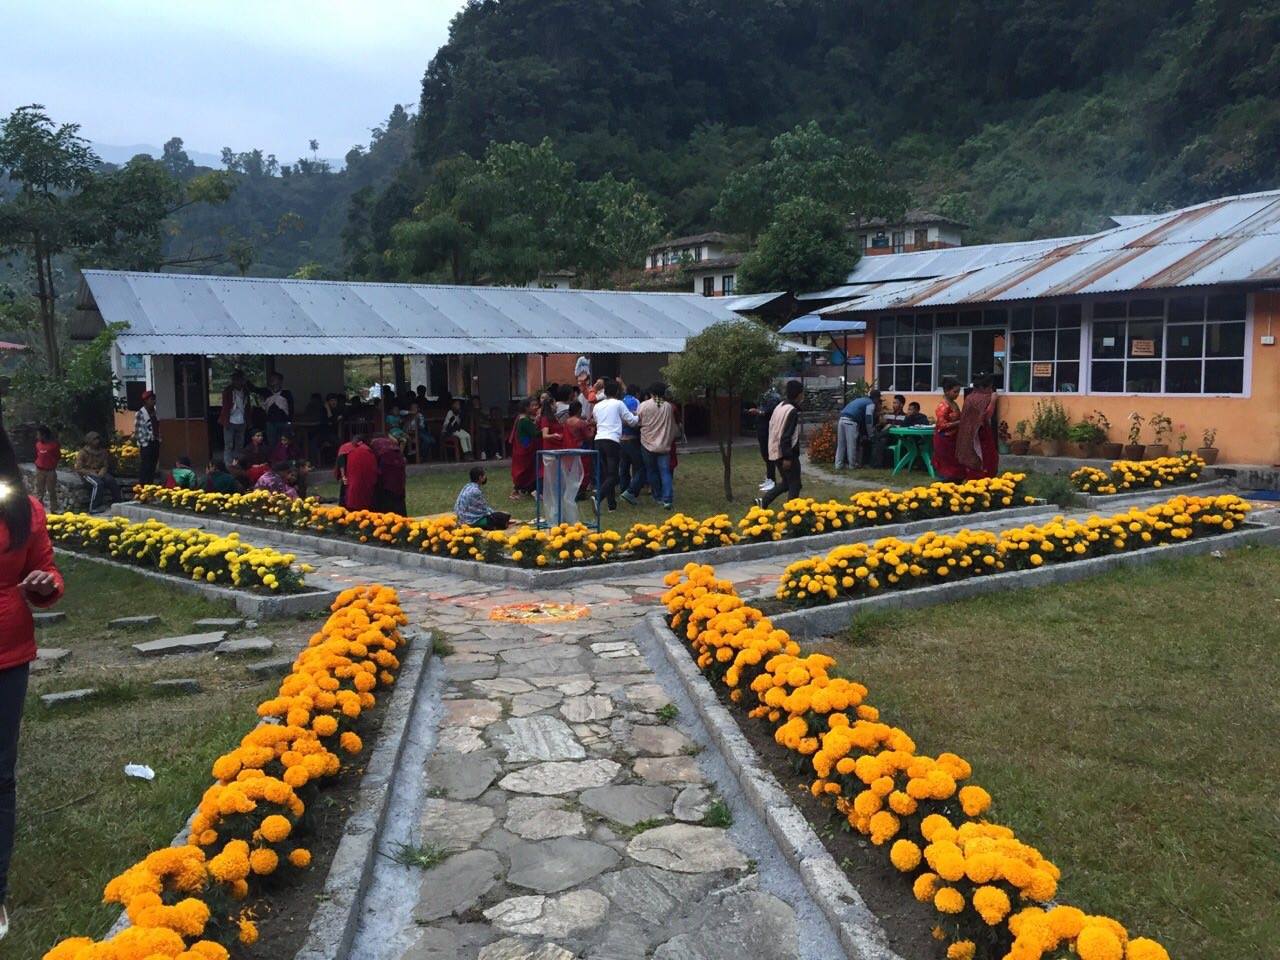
x=80 y=819
x=699 y=489
x=1126 y=727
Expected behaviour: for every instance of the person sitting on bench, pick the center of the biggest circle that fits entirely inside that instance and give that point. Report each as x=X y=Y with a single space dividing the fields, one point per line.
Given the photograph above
x=473 y=510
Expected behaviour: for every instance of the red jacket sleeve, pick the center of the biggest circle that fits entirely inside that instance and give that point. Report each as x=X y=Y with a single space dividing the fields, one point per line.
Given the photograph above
x=40 y=557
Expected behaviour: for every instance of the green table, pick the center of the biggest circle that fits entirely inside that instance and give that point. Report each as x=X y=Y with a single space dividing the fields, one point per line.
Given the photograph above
x=914 y=444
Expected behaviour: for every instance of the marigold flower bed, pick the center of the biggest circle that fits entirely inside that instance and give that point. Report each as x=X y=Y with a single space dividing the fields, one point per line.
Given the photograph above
x=195 y=553
x=994 y=894
x=1139 y=474
x=862 y=569
x=191 y=902
x=571 y=545
x=126 y=456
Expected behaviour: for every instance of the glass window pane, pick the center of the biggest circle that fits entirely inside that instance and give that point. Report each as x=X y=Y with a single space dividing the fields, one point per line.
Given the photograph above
x=1108 y=377
x=903 y=349
x=1042 y=383
x=884 y=349
x=1146 y=308
x=1186 y=309
x=924 y=377
x=1146 y=338
x=1019 y=377
x=884 y=376
x=1185 y=340
x=1020 y=348
x=1042 y=342
x=1069 y=343
x=924 y=349
x=1068 y=377
x=1227 y=306
x=924 y=323
x=1224 y=376
x=903 y=377
x=1021 y=318
x=906 y=324
x=1108 y=340
x=886 y=326
x=1046 y=316
x=1182 y=376
x=1224 y=340
x=1108 y=309
x=1069 y=315
x=953 y=356
x=1142 y=376
x=995 y=318
x=971 y=318
x=946 y=320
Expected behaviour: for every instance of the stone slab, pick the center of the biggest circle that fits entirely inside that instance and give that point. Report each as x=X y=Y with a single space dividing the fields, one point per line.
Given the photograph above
x=542 y=818
x=48 y=618
x=668 y=769
x=187 y=643
x=685 y=848
x=537 y=915
x=657 y=740
x=471 y=713
x=583 y=709
x=629 y=804
x=178 y=685
x=461 y=776
x=540 y=738
x=244 y=646
x=277 y=667
x=550 y=866
x=229 y=624
x=452 y=826
x=52 y=654
x=66 y=697
x=557 y=778
x=133 y=623
x=519 y=948
x=456 y=886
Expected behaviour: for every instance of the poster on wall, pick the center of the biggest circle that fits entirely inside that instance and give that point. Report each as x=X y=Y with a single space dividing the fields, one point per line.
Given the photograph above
x=1142 y=348
x=1042 y=369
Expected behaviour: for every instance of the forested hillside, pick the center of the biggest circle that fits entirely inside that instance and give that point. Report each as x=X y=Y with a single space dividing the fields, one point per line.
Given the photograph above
x=1022 y=117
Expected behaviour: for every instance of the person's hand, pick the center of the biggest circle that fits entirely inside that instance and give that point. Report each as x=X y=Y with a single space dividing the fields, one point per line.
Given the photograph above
x=38 y=583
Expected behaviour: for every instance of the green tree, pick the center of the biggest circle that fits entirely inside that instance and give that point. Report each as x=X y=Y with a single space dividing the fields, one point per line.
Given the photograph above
x=51 y=165
x=807 y=247
x=724 y=363
x=624 y=223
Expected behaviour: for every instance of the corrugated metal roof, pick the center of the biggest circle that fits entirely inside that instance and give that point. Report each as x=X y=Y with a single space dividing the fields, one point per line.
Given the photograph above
x=752 y=301
x=812 y=323
x=1233 y=240
x=182 y=313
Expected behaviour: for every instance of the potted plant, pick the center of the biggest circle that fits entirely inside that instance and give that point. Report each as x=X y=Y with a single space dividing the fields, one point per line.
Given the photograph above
x=1209 y=453
x=1182 y=441
x=1020 y=446
x=1134 y=449
x=1050 y=425
x=1003 y=438
x=1086 y=436
x=1106 y=448
x=1162 y=427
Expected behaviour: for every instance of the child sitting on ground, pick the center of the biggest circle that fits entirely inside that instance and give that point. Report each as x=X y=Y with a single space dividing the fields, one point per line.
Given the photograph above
x=183 y=475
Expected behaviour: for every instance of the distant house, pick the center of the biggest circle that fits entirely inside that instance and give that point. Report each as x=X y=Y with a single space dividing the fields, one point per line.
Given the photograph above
x=553 y=280
x=707 y=258
x=917 y=230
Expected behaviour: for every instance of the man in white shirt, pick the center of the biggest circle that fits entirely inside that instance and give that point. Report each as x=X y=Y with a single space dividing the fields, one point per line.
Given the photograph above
x=610 y=414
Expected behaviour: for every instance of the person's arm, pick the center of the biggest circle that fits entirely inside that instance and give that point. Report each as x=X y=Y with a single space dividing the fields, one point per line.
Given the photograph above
x=629 y=418
x=790 y=435
x=42 y=584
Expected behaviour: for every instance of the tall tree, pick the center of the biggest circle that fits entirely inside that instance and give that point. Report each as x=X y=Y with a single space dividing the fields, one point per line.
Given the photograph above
x=807 y=247
x=50 y=164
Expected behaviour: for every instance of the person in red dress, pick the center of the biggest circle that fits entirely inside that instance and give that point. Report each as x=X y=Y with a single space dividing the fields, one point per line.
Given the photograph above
x=28 y=578
x=976 y=448
x=579 y=434
x=550 y=429
x=526 y=441
x=947 y=417
x=361 y=476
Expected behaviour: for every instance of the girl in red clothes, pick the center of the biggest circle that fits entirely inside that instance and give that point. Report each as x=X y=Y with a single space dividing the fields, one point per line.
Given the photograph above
x=28 y=578
x=361 y=476
x=944 y=432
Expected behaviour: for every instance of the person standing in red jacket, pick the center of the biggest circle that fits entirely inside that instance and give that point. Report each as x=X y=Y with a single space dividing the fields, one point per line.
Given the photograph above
x=28 y=578
x=361 y=476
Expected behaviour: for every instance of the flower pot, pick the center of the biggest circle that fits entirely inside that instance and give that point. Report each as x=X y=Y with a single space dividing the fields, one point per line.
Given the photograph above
x=1154 y=451
x=1111 y=451
x=1052 y=448
x=1134 y=451
x=1002 y=447
x=1208 y=454
x=1019 y=448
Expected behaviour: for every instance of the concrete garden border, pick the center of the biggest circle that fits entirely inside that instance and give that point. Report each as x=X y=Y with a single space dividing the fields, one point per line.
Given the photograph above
x=857 y=928
x=520 y=576
x=333 y=926
x=809 y=622
x=1197 y=489
x=259 y=606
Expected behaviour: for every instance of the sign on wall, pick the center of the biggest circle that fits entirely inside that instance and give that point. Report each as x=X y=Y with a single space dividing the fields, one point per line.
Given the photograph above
x=1042 y=369
x=1143 y=348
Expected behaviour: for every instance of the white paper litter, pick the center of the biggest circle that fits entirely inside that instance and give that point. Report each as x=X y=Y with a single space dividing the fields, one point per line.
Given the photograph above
x=139 y=770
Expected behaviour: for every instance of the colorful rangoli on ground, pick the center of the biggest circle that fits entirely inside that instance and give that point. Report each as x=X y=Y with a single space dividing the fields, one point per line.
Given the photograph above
x=539 y=612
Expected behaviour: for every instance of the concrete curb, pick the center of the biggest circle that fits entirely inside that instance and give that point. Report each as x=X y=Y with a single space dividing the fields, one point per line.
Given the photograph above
x=333 y=927
x=833 y=617
x=857 y=927
x=499 y=573
x=254 y=605
x=1096 y=501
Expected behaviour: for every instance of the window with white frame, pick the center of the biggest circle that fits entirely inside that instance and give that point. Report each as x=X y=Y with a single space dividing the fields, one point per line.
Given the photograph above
x=904 y=352
x=1180 y=345
x=1044 y=349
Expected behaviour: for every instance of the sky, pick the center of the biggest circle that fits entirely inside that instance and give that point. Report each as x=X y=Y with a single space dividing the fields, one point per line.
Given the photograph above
x=271 y=74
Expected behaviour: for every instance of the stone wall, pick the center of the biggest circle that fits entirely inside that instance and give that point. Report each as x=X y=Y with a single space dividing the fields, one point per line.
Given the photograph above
x=73 y=493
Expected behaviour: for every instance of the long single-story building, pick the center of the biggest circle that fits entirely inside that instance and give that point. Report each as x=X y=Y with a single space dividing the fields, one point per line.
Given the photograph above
x=488 y=344
x=1174 y=313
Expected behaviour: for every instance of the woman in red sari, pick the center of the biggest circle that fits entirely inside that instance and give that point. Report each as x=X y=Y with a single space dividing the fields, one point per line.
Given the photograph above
x=526 y=441
x=550 y=430
x=947 y=417
x=976 y=448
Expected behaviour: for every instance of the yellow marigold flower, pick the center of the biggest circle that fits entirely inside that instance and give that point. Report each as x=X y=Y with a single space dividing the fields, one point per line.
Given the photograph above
x=1066 y=922
x=992 y=904
x=904 y=855
x=325 y=725
x=961 y=950
x=1096 y=942
x=974 y=800
x=351 y=742
x=300 y=857
x=275 y=828
x=924 y=887
x=264 y=861
x=948 y=900
x=248 y=932
x=1144 y=949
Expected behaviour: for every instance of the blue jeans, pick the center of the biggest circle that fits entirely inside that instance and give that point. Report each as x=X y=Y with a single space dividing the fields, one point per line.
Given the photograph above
x=632 y=464
x=13 y=691
x=658 y=468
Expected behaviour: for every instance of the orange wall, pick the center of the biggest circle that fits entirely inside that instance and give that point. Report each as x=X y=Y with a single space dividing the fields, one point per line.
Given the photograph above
x=1248 y=427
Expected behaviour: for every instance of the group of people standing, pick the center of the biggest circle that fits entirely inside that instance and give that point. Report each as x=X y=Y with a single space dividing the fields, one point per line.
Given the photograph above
x=633 y=434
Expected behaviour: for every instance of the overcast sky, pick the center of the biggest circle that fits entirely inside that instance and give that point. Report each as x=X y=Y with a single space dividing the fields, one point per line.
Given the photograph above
x=237 y=73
